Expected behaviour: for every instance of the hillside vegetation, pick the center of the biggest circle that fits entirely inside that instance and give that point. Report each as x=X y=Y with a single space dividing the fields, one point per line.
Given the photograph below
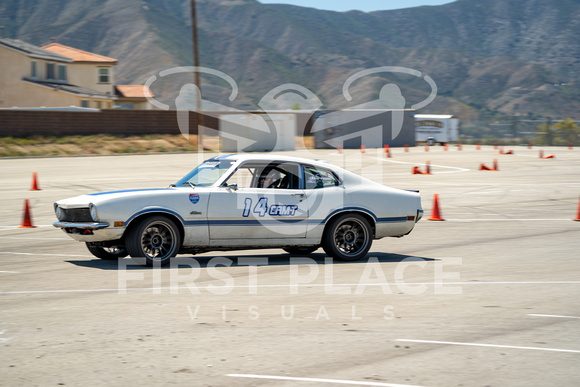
x=513 y=57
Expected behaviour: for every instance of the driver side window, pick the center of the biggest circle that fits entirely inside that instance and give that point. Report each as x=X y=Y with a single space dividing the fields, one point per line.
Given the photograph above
x=259 y=174
x=243 y=176
x=280 y=176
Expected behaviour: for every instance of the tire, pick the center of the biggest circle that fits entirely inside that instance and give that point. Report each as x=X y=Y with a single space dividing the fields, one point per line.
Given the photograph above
x=295 y=250
x=155 y=239
x=107 y=253
x=347 y=237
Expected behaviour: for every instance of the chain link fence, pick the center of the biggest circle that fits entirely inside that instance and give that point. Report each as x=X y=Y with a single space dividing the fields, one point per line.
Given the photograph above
x=521 y=130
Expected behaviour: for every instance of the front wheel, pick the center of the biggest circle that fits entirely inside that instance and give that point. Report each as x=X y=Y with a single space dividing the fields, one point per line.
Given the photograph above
x=107 y=253
x=157 y=239
x=347 y=237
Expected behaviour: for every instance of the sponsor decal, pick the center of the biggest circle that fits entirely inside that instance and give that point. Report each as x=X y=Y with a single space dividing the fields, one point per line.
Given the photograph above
x=262 y=208
x=194 y=198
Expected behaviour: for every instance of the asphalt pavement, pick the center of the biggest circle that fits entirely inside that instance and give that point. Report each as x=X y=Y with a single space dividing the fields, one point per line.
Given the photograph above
x=487 y=297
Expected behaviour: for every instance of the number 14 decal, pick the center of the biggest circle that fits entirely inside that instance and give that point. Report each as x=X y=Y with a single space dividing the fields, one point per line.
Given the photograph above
x=261 y=208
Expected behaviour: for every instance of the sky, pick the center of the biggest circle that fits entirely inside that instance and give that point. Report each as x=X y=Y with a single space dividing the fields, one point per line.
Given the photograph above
x=361 y=5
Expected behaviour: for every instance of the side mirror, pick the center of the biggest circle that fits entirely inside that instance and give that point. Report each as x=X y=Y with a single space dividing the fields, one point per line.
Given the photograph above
x=233 y=186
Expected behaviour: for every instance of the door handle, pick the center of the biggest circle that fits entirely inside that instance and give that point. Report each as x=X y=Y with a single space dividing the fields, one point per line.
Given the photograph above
x=301 y=195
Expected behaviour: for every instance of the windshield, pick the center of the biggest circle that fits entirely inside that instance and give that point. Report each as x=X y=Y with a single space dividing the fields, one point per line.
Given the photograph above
x=206 y=174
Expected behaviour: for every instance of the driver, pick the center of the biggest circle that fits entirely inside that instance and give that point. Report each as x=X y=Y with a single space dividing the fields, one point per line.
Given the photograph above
x=271 y=180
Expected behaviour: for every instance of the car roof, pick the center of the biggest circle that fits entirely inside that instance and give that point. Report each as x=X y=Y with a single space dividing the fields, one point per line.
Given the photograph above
x=274 y=157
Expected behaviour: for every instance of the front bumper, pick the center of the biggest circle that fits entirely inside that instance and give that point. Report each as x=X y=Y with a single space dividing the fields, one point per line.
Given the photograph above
x=90 y=232
x=80 y=226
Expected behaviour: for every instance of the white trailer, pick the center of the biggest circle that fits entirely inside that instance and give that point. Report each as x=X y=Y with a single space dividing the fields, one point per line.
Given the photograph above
x=433 y=128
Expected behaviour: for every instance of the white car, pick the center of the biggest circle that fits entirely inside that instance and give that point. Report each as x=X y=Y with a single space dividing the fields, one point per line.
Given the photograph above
x=243 y=202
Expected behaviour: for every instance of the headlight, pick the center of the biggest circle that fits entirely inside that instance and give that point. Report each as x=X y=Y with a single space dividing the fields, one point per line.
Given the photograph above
x=93 y=210
x=58 y=211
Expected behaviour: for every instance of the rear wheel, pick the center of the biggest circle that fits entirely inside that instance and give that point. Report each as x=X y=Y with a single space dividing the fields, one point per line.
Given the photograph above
x=156 y=239
x=296 y=250
x=347 y=237
x=108 y=253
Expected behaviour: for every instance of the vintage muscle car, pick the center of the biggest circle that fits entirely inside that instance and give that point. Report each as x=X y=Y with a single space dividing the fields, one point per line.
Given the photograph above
x=243 y=202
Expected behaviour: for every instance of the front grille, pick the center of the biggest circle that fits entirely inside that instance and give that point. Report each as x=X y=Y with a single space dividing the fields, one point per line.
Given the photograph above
x=76 y=215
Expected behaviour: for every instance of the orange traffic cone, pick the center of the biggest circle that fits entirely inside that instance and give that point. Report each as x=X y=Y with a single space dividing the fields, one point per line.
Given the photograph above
x=407 y=148
x=26 y=219
x=34 y=186
x=483 y=167
x=541 y=155
x=428 y=168
x=478 y=146
x=387 y=149
x=363 y=149
x=578 y=215
x=416 y=171
x=435 y=213
x=339 y=149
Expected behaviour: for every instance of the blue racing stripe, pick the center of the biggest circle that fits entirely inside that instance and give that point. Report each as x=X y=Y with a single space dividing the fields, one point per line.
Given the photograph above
x=128 y=190
x=392 y=219
x=253 y=222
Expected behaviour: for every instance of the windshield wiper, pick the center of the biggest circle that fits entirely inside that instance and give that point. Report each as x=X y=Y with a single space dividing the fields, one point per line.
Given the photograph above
x=190 y=184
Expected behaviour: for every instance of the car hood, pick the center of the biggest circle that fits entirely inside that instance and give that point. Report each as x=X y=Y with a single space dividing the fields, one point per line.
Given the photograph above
x=102 y=197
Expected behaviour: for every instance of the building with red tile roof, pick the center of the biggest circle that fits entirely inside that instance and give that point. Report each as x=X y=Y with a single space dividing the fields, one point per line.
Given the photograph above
x=56 y=75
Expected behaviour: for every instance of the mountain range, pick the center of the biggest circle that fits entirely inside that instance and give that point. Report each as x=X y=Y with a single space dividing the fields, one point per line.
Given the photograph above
x=512 y=57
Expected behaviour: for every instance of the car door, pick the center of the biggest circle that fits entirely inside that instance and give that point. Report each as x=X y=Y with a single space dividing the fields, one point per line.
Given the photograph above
x=324 y=195
x=260 y=200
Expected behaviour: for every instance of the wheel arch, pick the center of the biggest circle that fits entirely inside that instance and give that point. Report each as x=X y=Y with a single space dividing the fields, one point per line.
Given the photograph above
x=369 y=216
x=134 y=220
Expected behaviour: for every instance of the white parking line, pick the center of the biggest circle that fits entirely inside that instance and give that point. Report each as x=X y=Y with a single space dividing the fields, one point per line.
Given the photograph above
x=551 y=315
x=318 y=380
x=489 y=345
x=305 y=285
x=508 y=220
x=457 y=169
x=45 y=254
x=12 y=228
x=35 y=238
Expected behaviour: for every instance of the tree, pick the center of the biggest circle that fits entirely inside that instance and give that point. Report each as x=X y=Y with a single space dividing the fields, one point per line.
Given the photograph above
x=568 y=131
x=545 y=133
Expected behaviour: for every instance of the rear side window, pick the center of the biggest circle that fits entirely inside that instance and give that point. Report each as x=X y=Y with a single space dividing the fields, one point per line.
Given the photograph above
x=315 y=177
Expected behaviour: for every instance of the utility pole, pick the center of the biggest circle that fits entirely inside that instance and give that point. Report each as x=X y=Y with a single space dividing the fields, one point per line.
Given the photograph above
x=199 y=115
x=549 y=134
x=514 y=129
